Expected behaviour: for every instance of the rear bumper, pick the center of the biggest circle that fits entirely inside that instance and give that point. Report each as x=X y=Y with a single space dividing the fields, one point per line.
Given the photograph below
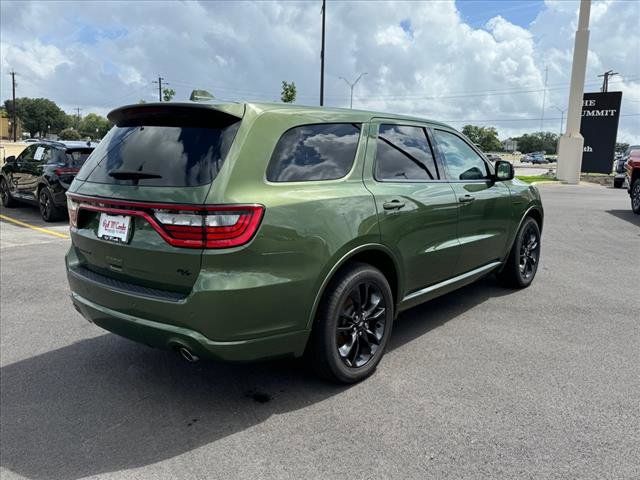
x=165 y=336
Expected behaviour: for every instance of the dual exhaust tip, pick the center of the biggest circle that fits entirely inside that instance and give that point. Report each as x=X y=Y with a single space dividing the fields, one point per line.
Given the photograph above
x=187 y=355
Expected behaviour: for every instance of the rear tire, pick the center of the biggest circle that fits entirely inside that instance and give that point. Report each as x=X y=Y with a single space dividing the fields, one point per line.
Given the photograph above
x=7 y=200
x=48 y=209
x=522 y=264
x=635 y=196
x=353 y=325
x=618 y=183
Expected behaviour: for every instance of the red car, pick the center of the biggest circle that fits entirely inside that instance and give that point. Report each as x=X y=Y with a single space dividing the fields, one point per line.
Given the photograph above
x=633 y=179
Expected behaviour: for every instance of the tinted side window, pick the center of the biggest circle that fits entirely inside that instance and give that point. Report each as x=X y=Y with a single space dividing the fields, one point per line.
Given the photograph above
x=314 y=152
x=404 y=153
x=462 y=162
x=48 y=155
x=27 y=153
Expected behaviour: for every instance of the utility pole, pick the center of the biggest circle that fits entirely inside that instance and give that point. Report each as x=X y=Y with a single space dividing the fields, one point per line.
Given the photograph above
x=351 y=85
x=159 y=82
x=324 y=10
x=78 y=110
x=544 y=96
x=572 y=142
x=13 y=105
x=605 y=81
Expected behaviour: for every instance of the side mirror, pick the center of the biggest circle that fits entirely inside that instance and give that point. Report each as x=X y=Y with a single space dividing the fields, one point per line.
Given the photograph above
x=504 y=170
x=10 y=159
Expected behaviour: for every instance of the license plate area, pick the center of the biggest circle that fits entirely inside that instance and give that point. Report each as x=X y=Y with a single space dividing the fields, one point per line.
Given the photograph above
x=114 y=228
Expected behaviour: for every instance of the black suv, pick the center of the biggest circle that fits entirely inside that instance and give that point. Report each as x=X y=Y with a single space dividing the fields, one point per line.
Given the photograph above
x=41 y=175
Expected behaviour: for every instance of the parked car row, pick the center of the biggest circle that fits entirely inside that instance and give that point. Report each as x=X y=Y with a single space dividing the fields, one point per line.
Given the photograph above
x=41 y=175
x=535 y=158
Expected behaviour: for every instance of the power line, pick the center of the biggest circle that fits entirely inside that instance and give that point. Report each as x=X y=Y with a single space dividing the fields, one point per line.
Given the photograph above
x=529 y=119
x=467 y=94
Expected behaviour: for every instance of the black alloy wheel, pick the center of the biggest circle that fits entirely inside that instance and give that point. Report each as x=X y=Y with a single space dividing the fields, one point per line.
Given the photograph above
x=529 y=251
x=635 y=196
x=48 y=210
x=361 y=326
x=5 y=194
x=45 y=203
x=521 y=266
x=353 y=324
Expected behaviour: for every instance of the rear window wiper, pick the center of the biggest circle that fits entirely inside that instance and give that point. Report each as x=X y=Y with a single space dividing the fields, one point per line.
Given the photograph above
x=132 y=175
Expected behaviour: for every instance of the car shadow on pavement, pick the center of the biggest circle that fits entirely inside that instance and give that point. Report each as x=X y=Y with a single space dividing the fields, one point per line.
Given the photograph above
x=627 y=215
x=106 y=404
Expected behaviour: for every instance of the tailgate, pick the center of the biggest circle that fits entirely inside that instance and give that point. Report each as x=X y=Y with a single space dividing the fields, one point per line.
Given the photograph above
x=136 y=204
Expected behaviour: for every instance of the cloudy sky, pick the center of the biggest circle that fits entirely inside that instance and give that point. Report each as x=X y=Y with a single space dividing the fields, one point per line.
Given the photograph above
x=472 y=61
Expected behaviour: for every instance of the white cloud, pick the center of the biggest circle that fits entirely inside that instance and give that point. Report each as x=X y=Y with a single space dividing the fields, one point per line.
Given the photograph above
x=442 y=68
x=33 y=58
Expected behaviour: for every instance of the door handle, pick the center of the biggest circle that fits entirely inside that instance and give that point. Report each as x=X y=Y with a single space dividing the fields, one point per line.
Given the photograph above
x=466 y=199
x=393 y=205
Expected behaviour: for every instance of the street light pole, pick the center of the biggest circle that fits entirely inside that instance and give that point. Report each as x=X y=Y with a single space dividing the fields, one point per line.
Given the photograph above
x=571 y=143
x=324 y=11
x=351 y=85
x=561 y=117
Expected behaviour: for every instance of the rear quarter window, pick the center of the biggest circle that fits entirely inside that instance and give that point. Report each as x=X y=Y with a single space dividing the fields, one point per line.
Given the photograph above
x=314 y=152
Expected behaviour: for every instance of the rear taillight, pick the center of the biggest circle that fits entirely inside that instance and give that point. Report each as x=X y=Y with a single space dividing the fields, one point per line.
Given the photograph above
x=66 y=171
x=218 y=227
x=189 y=226
x=72 y=208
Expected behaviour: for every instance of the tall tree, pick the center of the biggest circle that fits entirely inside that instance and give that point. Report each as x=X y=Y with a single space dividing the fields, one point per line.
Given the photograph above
x=69 y=134
x=38 y=115
x=486 y=137
x=621 y=147
x=538 y=142
x=168 y=94
x=288 y=94
x=94 y=126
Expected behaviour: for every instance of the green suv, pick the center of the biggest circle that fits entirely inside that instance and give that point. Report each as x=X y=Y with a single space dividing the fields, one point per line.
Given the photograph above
x=247 y=231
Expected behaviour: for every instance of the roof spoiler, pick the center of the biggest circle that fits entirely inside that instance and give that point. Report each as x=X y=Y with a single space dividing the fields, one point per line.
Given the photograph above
x=176 y=114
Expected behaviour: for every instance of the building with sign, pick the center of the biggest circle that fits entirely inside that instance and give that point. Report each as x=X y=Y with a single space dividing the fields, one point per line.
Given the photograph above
x=599 y=127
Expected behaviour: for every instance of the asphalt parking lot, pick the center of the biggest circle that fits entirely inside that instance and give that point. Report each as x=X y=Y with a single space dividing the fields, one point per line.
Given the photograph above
x=482 y=383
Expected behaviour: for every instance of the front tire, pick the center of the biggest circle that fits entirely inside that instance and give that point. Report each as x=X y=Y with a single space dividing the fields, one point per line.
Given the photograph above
x=522 y=264
x=353 y=325
x=635 y=196
x=7 y=200
x=48 y=209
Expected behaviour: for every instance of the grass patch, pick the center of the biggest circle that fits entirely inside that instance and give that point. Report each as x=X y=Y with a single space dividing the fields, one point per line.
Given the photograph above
x=536 y=178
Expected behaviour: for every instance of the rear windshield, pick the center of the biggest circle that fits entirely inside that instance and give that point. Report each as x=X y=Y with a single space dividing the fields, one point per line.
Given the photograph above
x=76 y=157
x=161 y=156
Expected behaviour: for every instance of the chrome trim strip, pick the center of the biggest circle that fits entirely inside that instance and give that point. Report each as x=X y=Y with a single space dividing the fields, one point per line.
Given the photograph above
x=451 y=281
